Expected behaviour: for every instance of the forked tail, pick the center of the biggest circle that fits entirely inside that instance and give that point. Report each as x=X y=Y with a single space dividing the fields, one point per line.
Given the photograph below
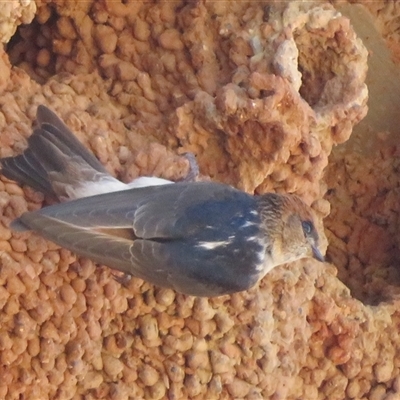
x=55 y=162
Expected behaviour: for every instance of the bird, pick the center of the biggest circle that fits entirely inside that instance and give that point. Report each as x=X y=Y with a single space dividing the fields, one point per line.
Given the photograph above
x=200 y=238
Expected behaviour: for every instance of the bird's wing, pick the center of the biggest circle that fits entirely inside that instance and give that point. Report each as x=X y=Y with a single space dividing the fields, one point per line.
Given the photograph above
x=189 y=236
x=99 y=247
x=151 y=261
x=152 y=212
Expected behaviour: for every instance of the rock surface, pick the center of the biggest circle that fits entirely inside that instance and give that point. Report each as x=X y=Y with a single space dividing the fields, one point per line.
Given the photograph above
x=260 y=93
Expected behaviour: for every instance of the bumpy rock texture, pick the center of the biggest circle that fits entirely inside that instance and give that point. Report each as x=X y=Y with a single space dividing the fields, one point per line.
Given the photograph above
x=260 y=92
x=13 y=13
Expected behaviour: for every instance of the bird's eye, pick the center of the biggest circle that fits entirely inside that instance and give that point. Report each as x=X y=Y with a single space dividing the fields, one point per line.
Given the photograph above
x=307 y=227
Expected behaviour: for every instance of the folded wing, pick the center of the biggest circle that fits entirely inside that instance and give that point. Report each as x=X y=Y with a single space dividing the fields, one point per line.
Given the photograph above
x=192 y=237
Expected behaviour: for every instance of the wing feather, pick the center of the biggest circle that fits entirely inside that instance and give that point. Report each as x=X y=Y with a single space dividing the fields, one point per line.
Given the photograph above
x=153 y=212
x=148 y=260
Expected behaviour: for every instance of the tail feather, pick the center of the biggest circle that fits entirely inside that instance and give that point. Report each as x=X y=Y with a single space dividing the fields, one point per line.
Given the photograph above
x=52 y=154
x=59 y=134
x=28 y=170
x=54 y=159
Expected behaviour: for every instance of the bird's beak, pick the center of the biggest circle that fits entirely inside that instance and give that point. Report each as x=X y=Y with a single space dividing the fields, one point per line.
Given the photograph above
x=317 y=254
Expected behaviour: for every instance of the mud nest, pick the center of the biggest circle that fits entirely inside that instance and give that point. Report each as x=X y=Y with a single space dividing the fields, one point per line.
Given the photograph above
x=260 y=93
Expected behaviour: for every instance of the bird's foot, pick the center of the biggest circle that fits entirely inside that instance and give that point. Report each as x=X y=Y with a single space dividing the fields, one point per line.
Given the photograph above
x=193 y=168
x=122 y=278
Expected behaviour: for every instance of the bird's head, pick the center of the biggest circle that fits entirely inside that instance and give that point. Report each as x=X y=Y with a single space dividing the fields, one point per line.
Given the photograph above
x=293 y=230
x=299 y=236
